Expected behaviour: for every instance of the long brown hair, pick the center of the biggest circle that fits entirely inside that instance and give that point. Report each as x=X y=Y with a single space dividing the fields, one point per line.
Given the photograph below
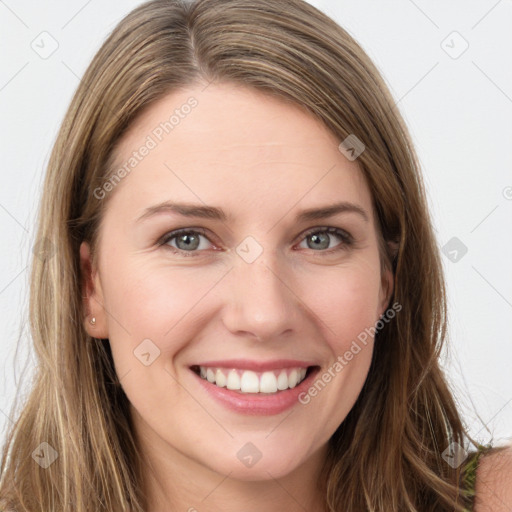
x=387 y=453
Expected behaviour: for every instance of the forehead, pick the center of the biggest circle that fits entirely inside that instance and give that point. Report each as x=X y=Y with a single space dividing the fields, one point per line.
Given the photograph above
x=233 y=144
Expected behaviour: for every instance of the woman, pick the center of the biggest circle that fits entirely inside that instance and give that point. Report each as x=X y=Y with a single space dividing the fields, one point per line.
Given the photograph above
x=244 y=304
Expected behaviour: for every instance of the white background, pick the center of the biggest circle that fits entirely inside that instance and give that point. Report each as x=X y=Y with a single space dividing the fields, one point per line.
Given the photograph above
x=459 y=111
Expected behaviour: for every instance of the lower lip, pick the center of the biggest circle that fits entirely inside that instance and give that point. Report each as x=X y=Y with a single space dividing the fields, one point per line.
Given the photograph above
x=259 y=404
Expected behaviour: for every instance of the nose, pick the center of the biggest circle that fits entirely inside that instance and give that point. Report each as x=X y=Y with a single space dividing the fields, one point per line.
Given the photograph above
x=260 y=301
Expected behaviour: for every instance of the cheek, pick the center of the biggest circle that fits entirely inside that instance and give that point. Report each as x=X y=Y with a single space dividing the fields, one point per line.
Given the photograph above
x=174 y=307
x=149 y=299
x=345 y=300
x=153 y=314
x=152 y=300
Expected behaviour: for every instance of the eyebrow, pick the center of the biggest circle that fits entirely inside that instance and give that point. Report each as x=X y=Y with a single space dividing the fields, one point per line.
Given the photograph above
x=216 y=213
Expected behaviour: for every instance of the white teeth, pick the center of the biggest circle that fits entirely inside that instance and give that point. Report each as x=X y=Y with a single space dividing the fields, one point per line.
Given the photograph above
x=282 y=381
x=268 y=383
x=220 y=379
x=247 y=381
x=292 y=379
x=233 y=380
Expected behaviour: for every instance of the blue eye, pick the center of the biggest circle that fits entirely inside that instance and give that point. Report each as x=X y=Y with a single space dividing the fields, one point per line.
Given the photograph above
x=320 y=239
x=187 y=242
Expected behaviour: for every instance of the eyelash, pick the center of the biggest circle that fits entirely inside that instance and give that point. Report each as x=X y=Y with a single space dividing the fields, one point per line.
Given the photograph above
x=347 y=240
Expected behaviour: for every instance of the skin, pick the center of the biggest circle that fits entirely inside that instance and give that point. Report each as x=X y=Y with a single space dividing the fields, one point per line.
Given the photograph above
x=494 y=475
x=262 y=160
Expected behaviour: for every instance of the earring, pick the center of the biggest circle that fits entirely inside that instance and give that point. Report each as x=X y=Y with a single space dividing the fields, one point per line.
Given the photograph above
x=93 y=321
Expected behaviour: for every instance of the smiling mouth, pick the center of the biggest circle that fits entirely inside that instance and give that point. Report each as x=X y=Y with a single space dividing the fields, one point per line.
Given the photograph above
x=248 y=381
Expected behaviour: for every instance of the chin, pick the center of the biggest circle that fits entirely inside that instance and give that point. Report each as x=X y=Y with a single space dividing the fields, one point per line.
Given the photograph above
x=257 y=460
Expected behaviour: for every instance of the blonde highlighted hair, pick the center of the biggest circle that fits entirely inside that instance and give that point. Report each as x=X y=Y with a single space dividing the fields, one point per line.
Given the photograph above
x=387 y=454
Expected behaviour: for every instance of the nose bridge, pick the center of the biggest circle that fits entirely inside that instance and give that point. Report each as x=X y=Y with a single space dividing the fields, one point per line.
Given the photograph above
x=261 y=303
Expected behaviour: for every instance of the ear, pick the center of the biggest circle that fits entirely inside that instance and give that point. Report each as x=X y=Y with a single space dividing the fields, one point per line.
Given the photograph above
x=388 y=276
x=92 y=295
x=386 y=290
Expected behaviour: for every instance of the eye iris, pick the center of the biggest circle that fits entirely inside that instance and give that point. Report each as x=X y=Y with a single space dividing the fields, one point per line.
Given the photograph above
x=190 y=241
x=318 y=242
x=185 y=238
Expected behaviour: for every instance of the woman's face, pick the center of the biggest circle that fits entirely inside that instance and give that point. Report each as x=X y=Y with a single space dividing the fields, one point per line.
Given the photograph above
x=253 y=295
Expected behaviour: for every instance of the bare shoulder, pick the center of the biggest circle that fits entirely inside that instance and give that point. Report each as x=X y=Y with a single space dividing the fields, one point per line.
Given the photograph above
x=494 y=482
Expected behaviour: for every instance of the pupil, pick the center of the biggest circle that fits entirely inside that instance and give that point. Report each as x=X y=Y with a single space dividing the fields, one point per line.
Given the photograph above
x=186 y=240
x=319 y=243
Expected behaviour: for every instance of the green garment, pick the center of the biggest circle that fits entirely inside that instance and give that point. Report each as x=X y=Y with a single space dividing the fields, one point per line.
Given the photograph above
x=468 y=480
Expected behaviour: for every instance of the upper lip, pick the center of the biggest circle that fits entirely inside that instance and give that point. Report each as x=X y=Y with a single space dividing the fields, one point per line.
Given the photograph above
x=258 y=366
